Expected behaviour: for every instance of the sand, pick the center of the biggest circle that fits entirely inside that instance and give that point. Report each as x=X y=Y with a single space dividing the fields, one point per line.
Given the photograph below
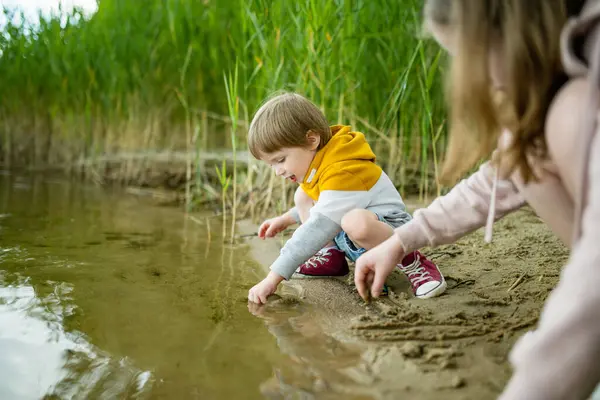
x=452 y=347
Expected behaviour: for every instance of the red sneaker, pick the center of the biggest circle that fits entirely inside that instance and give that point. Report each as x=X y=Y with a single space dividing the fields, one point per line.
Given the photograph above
x=424 y=276
x=327 y=263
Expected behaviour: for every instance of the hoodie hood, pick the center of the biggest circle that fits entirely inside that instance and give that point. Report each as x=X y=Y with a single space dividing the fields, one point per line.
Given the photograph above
x=346 y=151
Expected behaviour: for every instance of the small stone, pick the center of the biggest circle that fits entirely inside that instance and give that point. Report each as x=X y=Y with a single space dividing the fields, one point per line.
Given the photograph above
x=403 y=296
x=320 y=385
x=447 y=364
x=461 y=315
x=412 y=350
x=458 y=382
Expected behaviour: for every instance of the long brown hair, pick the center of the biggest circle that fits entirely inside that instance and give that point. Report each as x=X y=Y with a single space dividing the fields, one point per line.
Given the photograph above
x=526 y=33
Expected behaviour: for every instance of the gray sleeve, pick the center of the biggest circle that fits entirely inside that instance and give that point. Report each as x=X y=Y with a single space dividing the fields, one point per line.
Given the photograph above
x=309 y=238
x=294 y=213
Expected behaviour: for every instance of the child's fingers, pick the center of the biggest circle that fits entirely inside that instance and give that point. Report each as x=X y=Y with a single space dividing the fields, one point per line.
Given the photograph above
x=261 y=230
x=263 y=298
x=272 y=231
x=263 y=226
x=252 y=296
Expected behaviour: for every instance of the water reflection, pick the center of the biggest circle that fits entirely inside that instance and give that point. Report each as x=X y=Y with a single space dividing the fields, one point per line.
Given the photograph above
x=318 y=366
x=40 y=359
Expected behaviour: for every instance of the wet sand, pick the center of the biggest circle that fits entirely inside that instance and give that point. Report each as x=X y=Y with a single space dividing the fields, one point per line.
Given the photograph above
x=452 y=347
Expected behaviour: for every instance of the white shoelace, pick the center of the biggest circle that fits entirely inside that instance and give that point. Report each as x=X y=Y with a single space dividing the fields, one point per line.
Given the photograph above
x=318 y=259
x=416 y=272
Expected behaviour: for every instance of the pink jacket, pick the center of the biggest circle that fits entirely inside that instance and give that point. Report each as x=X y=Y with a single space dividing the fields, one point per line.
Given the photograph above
x=561 y=359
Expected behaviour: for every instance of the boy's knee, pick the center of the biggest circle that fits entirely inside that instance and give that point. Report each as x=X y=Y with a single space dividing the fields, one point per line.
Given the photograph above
x=356 y=224
x=301 y=199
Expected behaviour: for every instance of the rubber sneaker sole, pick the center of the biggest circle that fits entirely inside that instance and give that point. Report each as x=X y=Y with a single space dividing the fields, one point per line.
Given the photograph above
x=434 y=291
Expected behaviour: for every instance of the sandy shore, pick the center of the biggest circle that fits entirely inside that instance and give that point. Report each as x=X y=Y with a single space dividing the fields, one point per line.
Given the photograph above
x=451 y=347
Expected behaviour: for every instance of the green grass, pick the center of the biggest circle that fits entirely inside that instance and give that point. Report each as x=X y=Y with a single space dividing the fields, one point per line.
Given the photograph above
x=188 y=75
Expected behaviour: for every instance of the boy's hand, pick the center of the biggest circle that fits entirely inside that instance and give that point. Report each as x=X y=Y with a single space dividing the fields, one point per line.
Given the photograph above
x=374 y=266
x=273 y=226
x=261 y=291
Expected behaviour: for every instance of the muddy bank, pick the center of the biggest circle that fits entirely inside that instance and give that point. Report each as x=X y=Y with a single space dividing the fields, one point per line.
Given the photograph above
x=451 y=347
x=176 y=178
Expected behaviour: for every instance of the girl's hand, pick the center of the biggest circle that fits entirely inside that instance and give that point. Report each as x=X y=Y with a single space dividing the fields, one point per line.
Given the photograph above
x=374 y=266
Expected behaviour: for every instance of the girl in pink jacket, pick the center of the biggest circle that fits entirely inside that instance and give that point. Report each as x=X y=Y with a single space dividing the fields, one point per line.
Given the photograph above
x=525 y=81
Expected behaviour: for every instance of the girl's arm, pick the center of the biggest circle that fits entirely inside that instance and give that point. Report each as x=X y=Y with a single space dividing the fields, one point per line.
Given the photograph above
x=464 y=209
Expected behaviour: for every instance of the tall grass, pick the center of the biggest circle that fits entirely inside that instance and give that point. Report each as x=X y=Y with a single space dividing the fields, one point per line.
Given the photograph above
x=136 y=78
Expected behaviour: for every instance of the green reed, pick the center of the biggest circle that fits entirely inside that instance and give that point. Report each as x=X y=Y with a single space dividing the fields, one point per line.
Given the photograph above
x=134 y=79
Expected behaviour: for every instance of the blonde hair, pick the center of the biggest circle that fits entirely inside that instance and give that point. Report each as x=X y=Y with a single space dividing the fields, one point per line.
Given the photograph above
x=284 y=121
x=527 y=34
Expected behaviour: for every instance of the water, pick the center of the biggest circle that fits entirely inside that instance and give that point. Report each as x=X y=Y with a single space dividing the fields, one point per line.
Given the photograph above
x=105 y=295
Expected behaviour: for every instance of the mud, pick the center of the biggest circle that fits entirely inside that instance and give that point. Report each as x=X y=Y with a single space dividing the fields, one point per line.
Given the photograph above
x=453 y=347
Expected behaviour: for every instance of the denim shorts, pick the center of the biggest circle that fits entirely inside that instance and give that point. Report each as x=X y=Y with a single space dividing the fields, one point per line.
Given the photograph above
x=345 y=244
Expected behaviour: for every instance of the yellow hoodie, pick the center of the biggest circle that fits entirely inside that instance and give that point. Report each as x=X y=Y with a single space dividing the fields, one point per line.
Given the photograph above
x=345 y=163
